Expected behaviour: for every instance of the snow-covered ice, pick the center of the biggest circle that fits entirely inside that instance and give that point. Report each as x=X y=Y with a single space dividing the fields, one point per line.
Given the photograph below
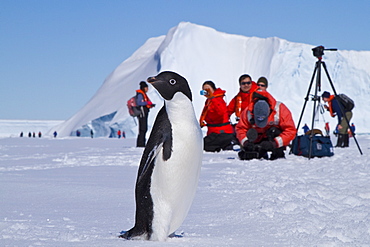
x=80 y=192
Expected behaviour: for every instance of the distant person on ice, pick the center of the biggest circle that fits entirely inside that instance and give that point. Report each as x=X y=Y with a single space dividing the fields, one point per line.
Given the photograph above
x=335 y=110
x=327 y=128
x=305 y=128
x=353 y=129
x=55 y=134
x=220 y=133
x=143 y=101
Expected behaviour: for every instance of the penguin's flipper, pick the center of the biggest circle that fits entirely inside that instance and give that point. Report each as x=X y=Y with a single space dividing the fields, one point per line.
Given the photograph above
x=160 y=140
x=149 y=161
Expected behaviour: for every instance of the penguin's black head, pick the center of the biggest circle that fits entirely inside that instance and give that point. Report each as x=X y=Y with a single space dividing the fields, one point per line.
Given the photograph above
x=168 y=83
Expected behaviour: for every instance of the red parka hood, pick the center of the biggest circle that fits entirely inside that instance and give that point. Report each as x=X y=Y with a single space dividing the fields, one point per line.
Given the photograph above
x=217 y=93
x=270 y=100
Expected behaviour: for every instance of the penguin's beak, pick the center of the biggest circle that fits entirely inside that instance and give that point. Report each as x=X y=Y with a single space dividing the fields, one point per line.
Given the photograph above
x=151 y=79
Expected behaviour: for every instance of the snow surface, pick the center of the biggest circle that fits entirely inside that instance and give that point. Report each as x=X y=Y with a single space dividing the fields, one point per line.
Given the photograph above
x=80 y=192
x=201 y=53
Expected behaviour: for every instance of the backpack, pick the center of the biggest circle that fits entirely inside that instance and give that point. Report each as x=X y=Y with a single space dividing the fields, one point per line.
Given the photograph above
x=346 y=102
x=133 y=109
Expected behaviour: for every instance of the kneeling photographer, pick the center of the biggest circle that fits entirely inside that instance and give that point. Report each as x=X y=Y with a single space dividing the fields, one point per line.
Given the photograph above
x=266 y=125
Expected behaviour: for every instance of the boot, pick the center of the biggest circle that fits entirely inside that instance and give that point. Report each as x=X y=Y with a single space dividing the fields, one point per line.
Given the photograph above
x=345 y=141
x=340 y=140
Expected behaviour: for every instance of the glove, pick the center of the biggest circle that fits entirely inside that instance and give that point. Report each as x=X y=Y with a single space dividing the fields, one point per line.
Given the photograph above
x=252 y=135
x=272 y=133
x=268 y=145
x=150 y=104
x=248 y=146
x=202 y=124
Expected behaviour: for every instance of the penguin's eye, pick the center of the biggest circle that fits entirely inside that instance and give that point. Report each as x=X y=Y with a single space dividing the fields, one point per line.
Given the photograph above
x=172 y=81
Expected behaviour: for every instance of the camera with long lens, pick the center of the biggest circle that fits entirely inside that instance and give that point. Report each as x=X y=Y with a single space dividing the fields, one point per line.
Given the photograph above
x=318 y=51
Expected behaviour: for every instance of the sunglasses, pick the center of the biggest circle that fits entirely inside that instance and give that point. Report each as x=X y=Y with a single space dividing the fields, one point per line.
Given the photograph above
x=261 y=85
x=246 y=83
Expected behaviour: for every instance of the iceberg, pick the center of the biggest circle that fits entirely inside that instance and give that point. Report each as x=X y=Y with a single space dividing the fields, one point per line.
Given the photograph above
x=202 y=53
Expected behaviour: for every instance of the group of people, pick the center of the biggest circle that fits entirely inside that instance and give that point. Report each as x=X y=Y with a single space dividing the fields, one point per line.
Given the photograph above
x=33 y=134
x=121 y=133
x=264 y=127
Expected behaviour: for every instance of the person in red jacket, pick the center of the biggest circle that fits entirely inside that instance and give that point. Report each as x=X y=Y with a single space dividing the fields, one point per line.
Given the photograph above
x=144 y=103
x=220 y=133
x=266 y=125
x=243 y=98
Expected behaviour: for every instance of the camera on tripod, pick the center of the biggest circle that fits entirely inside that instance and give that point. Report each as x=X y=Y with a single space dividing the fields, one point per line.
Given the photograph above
x=318 y=51
x=315 y=97
x=317 y=107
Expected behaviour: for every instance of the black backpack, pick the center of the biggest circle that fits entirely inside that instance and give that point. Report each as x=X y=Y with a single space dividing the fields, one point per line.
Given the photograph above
x=347 y=103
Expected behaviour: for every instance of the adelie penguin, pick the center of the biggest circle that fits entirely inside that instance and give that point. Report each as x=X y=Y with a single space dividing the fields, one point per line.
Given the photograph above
x=170 y=166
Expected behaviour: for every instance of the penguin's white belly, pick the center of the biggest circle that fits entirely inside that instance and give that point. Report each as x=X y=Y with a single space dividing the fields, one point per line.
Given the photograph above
x=174 y=182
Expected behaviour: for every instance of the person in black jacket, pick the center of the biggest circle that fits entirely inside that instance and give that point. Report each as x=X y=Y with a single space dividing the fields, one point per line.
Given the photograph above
x=336 y=110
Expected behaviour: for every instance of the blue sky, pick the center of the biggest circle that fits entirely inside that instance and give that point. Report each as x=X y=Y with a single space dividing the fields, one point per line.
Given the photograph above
x=55 y=54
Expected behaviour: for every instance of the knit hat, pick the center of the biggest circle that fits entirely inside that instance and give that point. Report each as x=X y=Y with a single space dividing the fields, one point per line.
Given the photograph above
x=263 y=80
x=261 y=112
x=143 y=85
x=325 y=94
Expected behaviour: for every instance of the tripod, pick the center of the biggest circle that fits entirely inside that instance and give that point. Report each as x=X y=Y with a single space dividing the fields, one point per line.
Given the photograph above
x=319 y=52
